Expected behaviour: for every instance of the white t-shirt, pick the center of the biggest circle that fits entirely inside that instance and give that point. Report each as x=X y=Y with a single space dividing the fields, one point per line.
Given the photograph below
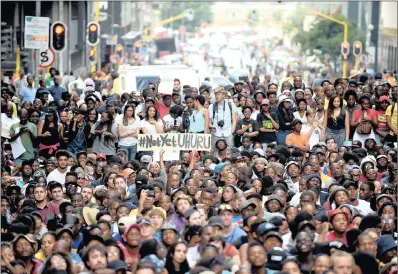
x=169 y=122
x=364 y=207
x=129 y=140
x=57 y=176
x=151 y=129
x=315 y=136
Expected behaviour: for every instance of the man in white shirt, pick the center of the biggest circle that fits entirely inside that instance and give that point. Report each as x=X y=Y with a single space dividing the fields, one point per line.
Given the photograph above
x=223 y=116
x=361 y=205
x=59 y=173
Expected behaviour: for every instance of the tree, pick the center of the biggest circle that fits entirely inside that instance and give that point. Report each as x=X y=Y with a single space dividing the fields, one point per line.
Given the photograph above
x=327 y=36
x=202 y=13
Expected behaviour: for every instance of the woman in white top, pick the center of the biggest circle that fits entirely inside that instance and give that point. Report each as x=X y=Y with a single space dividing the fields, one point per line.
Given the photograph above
x=301 y=110
x=151 y=124
x=312 y=130
x=128 y=130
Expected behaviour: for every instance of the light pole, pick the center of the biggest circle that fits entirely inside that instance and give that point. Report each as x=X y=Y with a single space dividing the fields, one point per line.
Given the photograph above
x=189 y=14
x=328 y=17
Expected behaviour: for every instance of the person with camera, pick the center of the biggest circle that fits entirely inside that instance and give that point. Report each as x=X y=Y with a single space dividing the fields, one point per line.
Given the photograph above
x=223 y=115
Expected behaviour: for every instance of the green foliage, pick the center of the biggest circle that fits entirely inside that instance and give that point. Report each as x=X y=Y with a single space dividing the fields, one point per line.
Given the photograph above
x=201 y=9
x=327 y=36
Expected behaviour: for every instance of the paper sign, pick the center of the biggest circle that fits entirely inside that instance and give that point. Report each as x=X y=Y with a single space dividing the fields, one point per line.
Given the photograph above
x=174 y=141
x=17 y=148
x=37 y=30
x=169 y=155
x=166 y=87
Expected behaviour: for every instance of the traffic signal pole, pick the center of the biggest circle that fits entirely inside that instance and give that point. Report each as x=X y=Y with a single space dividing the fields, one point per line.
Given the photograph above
x=328 y=17
x=37 y=52
x=60 y=54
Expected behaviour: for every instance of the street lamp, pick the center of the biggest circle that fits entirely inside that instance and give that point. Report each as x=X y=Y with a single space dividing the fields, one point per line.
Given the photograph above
x=328 y=17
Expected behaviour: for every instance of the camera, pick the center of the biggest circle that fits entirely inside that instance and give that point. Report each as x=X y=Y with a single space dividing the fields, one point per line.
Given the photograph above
x=185 y=119
x=220 y=123
x=151 y=193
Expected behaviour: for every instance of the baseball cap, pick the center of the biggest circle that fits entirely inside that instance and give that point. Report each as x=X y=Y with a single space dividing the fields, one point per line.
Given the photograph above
x=304 y=224
x=216 y=221
x=101 y=156
x=275 y=235
x=127 y=172
x=246 y=204
x=383 y=98
x=225 y=207
x=275 y=257
x=349 y=183
x=146 y=159
x=266 y=227
x=144 y=221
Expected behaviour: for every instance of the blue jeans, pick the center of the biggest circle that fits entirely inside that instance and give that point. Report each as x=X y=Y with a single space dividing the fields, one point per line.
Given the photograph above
x=281 y=136
x=131 y=151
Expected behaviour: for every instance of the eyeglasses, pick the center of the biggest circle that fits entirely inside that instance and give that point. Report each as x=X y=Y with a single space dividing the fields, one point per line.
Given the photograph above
x=81 y=178
x=388 y=221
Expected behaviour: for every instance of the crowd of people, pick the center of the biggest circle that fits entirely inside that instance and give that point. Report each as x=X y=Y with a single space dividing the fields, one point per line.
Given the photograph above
x=300 y=179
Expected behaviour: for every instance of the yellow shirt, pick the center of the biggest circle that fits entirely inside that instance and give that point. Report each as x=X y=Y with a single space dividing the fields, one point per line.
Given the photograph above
x=40 y=255
x=394 y=116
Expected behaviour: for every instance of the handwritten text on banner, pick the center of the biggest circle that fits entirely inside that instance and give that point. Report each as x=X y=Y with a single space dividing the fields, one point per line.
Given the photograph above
x=175 y=141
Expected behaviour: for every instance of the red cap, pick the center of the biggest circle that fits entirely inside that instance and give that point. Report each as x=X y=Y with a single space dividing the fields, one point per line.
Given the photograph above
x=101 y=155
x=333 y=213
x=383 y=98
x=133 y=226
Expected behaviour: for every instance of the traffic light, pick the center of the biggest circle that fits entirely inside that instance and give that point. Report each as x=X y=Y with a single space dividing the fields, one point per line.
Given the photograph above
x=345 y=48
x=137 y=47
x=119 y=50
x=93 y=33
x=26 y=57
x=92 y=54
x=357 y=49
x=58 y=36
x=6 y=41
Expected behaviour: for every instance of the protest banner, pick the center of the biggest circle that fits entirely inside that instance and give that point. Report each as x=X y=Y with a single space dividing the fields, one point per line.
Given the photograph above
x=174 y=141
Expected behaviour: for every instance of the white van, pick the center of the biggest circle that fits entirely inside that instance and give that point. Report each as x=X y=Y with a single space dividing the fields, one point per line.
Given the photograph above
x=137 y=78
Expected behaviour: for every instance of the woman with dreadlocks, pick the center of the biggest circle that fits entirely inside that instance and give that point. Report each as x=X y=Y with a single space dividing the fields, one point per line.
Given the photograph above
x=105 y=134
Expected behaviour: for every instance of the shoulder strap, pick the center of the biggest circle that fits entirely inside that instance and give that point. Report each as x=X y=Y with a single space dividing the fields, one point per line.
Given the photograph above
x=230 y=108
x=392 y=110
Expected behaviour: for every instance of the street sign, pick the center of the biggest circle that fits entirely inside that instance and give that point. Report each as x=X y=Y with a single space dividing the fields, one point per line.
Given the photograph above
x=112 y=40
x=189 y=14
x=371 y=54
x=47 y=57
x=363 y=58
x=37 y=30
x=103 y=16
x=114 y=58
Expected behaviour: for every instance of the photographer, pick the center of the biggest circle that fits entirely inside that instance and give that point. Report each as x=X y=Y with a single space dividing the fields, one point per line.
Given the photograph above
x=224 y=116
x=173 y=120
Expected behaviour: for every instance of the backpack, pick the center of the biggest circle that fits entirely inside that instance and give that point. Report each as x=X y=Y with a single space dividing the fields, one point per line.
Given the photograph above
x=215 y=106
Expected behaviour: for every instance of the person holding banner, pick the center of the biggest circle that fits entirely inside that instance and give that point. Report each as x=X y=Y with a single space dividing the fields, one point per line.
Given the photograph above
x=151 y=124
x=224 y=117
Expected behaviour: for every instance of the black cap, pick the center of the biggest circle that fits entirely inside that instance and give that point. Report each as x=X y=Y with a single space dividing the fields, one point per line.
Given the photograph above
x=295 y=122
x=117 y=265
